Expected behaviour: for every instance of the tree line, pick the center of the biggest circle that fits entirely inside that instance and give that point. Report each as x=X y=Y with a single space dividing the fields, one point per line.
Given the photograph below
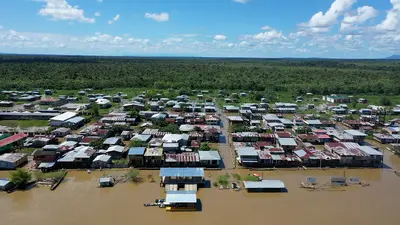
x=273 y=75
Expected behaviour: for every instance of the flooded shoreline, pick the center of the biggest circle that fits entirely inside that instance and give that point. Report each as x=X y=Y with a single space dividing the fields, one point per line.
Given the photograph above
x=78 y=200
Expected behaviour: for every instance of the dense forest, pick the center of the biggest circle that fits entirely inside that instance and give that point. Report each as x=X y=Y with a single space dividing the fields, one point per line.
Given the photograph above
x=270 y=75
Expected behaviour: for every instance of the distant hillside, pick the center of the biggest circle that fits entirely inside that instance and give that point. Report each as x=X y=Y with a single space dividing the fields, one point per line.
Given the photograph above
x=394 y=57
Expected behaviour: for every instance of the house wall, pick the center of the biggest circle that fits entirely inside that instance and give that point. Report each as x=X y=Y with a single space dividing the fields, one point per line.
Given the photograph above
x=210 y=163
x=136 y=160
x=115 y=155
x=44 y=158
x=101 y=164
x=155 y=161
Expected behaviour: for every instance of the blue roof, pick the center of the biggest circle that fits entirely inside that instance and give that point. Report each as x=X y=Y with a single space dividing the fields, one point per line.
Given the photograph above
x=137 y=151
x=182 y=172
x=77 y=119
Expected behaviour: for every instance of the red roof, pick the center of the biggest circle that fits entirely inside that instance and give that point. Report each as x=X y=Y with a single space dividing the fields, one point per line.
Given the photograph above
x=323 y=136
x=284 y=134
x=265 y=155
x=183 y=157
x=170 y=120
x=320 y=131
x=195 y=143
x=12 y=139
x=48 y=100
x=261 y=144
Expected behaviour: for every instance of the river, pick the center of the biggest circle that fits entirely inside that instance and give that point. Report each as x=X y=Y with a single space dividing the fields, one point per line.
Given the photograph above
x=78 y=201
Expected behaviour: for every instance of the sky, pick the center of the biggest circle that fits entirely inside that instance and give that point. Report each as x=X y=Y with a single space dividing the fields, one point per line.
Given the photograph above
x=207 y=28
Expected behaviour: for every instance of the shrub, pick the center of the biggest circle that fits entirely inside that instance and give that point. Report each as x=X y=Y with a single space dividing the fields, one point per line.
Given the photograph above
x=20 y=177
x=134 y=175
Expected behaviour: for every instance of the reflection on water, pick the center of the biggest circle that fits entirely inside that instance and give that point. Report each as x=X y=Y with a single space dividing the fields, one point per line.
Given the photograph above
x=79 y=201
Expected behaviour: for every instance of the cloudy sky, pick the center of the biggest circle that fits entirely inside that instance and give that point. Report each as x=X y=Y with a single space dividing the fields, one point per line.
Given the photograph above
x=230 y=28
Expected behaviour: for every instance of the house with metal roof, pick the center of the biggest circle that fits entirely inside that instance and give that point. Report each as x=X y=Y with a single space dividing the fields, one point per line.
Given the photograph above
x=75 y=122
x=136 y=156
x=61 y=119
x=11 y=161
x=337 y=98
x=247 y=156
x=181 y=201
x=80 y=157
x=357 y=136
x=5 y=184
x=181 y=139
x=116 y=151
x=102 y=161
x=113 y=141
x=313 y=123
x=264 y=186
x=43 y=155
x=181 y=176
x=288 y=144
x=231 y=109
x=210 y=158
x=154 y=157
x=384 y=138
x=141 y=137
x=61 y=132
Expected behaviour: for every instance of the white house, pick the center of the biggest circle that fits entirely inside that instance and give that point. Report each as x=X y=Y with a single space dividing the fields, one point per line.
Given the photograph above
x=60 y=119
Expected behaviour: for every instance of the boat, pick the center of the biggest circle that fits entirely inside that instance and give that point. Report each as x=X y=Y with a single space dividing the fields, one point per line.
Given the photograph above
x=58 y=182
x=181 y=207
x=235 y=187
x=308 y=186
x=157 y=202
x=89 y=172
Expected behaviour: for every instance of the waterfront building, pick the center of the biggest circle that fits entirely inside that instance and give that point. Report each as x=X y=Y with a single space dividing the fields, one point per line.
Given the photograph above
x=264 y=186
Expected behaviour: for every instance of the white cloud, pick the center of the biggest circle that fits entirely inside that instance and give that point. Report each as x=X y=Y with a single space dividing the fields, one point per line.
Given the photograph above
x=172 y=40
x=321 y=22
x=162 y=17
x=363 y=14
x=115 y=19
x=220 y=37
x=267 y=36
x=97 y=14
x=62 y=10
x=302 y=50
x=186 y=35
x=138 y=41
x=266 y=28
x=392 y=20
x=241 y=1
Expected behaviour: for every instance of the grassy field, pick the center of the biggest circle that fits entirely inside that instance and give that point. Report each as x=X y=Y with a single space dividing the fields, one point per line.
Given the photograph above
x=24 y=123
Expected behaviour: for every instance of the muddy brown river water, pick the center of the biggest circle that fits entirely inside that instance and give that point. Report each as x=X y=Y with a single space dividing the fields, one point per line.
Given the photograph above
x=79 y=201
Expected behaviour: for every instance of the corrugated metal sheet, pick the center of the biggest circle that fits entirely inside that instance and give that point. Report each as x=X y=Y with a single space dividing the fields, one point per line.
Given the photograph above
x=181 y=197
x=265 y=184
x=182 y=172
x=12 y=139
x=182 y=157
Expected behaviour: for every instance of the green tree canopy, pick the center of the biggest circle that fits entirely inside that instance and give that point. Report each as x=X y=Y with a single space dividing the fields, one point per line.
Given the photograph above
x=20 y=177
